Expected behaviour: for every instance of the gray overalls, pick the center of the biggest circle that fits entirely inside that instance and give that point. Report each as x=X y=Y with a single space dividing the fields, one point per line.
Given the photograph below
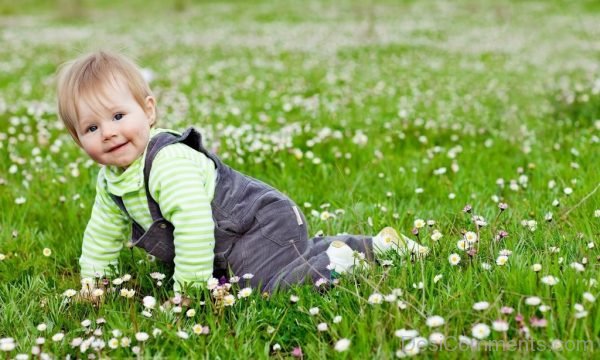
x=258 y=230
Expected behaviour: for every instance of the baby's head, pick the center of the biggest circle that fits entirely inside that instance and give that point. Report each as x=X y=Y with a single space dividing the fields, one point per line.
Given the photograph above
x=107 y=107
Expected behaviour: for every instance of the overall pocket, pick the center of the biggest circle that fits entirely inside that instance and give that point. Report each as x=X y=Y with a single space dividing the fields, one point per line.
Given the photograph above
x=281 y=222
x=158 y=241
x=224 y=242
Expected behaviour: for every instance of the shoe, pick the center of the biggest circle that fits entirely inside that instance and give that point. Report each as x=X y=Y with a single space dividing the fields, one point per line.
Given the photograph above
x=341 y=256
x=388 y=238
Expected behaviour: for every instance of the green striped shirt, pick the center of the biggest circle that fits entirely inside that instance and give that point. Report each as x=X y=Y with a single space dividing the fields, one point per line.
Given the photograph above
x=182 y=181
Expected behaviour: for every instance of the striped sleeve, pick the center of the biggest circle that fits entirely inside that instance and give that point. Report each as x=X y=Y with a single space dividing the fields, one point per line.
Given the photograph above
x=179 y=183
x=104 y=234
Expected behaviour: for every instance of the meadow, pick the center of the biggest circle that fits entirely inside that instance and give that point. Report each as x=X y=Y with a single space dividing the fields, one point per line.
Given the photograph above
x=472 y=126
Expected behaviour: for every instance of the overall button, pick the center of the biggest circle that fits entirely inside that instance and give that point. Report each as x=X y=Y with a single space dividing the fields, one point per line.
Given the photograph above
x=163 y=226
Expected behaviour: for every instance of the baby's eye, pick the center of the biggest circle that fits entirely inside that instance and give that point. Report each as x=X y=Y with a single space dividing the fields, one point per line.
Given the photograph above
x=118 y=116
x=92 y=128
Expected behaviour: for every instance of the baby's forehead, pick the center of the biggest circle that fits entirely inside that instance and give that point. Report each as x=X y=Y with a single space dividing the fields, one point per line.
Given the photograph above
x=101 y=97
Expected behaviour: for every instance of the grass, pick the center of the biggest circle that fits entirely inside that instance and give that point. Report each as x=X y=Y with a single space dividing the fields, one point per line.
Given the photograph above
x=486 y=90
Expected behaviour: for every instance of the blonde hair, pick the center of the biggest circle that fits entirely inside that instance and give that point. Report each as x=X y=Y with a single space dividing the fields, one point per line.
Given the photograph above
x=90 y=76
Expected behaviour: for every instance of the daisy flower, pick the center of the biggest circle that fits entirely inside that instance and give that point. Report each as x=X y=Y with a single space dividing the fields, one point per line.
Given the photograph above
x=480 y=331
x=454 y=259
x=434 y=321
x=342 y=345
x=550 y=280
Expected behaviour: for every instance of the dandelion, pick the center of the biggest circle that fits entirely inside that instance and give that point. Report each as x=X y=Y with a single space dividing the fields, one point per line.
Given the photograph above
x=337 y=319
x=549 y=280
x=314 y=311
x=86 y=323
x=190 y=313
x=42 y=327
x=342 y=345
x=437 y=338
x=322 y=327
x=20 y=200
x=481 y=305
x=480 y=331
x=47 y=252
x=113 y=343
x=486 y=266
x=294 y=298
x=69 y=293
x=276 y=347
x=435 y=321
x=247 y=276
x=375 y=299
x=97 y=292
x=437 y=278
x=182 y=334
x=536 y=267
x=568 y=191
x=58 y=337
x=234 y=279
x=454 y=259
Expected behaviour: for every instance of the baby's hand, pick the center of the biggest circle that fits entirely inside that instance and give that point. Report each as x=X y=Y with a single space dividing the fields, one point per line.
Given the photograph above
x=177 y=300
x=90 y=295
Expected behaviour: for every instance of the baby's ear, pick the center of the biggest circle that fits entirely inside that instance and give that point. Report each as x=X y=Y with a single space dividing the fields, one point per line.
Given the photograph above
x=150 y=109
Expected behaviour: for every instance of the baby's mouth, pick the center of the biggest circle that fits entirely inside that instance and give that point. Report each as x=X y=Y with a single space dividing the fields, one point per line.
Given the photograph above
x=117 y=147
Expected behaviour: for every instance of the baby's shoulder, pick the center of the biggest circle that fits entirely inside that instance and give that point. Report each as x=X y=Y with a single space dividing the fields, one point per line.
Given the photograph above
x=178 y=151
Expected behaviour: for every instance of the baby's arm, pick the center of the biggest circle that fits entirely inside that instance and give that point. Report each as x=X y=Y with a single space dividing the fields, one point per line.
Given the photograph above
x=104 y=235
x=179 y=182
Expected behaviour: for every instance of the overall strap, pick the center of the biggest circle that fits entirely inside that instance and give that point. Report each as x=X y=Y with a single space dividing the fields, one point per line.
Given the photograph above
x=190 y=137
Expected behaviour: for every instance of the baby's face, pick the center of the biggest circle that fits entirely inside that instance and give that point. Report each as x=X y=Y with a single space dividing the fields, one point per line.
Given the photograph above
x=114 y=129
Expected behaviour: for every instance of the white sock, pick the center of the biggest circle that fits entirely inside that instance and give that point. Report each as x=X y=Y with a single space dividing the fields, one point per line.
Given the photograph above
x=341 y=256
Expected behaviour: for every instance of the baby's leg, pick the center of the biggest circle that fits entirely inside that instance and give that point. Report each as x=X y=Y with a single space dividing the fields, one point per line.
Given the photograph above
x=340 y=254
x=342 y=250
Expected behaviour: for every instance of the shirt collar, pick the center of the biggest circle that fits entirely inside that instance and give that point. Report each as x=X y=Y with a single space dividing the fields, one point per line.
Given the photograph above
x=120 y=182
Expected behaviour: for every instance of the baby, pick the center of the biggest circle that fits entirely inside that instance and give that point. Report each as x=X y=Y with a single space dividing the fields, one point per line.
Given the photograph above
x=181 y=202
